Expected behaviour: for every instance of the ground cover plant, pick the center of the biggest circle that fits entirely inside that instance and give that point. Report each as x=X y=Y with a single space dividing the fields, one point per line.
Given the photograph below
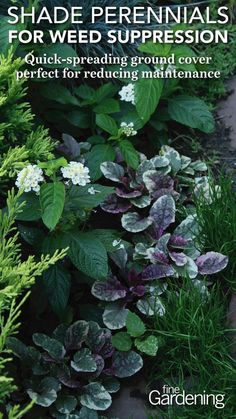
x=120 y=248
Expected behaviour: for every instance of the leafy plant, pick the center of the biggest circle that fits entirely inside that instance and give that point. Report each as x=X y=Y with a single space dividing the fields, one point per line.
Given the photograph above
x=167 y=173
x=75 y=371
x=16 y=277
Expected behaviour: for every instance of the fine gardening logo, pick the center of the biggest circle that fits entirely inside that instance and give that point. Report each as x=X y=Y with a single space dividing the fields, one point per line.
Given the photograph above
x=174 y=396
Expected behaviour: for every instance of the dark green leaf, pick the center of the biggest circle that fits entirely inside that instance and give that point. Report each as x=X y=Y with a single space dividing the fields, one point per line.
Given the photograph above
x=107 y=123
x=95 y=397
x=78 y=197
x=107 y=106
x=130 y=155
x=192 y=112
x=52 y=199
x=99 y=154
x=88 y=254
x=122 y=341
x=31 y=210
x=135 y=325
x=147 y=93
x=52 y=346
x=56 y=281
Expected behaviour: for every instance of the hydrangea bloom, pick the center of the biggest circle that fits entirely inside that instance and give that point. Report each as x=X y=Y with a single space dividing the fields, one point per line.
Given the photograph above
x=29 y=178
x=77 y=173
x=127 y=93
x=128 y=129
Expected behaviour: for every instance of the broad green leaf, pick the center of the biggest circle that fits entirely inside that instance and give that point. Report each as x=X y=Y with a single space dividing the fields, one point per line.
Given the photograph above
x=52 y=199
x=114 y=316
x=135 y=326
x=31 y=235
x=158 y=50
x=107 y=106
x=106 y=90
x=183 y=51
x=122 y=341
x=83 y=361
x=5 y=27
x=46 y=393
x=65 y=404
x=55 y=349
x=56 y=282
x=63 y=51
x=149 y=346
x=18 y=348
x=192 y=112
x=88 y=254
x=86 y=197
x=111 y=384
x=99 y=154
x=107 y=123
x=147 y=93
x=78 y=118
x=126 y=364
x=130 y=155
x=58 y=93
x=85 y=92
x=31 y=210
x=95 y=397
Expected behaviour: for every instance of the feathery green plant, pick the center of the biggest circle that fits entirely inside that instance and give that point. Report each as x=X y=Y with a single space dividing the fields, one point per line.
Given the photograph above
x=15 y=277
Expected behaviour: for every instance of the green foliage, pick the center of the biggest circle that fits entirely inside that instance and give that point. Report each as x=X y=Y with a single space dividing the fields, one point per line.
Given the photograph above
x=217 y=221
x=16 y=277
x=70 y=370
x=19 y=142
x=195 y=350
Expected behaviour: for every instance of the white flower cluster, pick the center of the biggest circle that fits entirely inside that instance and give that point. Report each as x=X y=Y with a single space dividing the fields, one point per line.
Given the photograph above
x=127 y=93
x=29 y=178
x=128 y=129
x=77 y=173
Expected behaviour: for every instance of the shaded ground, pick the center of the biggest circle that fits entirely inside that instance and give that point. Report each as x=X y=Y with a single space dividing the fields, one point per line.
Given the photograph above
x=227 y=112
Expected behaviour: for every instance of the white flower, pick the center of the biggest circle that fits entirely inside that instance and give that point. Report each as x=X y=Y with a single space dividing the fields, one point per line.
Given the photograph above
x=28 y=179
x=128 y=129
x=117 y=243
x=77 y=173
x=93 y=191
x=127 y=93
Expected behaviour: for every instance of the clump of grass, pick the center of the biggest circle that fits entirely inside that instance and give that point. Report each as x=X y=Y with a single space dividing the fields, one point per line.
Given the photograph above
x=195 y=355
x=217 y=221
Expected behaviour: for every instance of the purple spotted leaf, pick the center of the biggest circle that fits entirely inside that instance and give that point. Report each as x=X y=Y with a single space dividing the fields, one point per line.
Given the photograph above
x=114 y=205
x=180 y=259
x=158 y=184
x=123 y=193
x=157 y=272
x=211 y=263
x=163 y=212
x=138 y=290
x=178 y=241
x=111 y=290
x=160 y=257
